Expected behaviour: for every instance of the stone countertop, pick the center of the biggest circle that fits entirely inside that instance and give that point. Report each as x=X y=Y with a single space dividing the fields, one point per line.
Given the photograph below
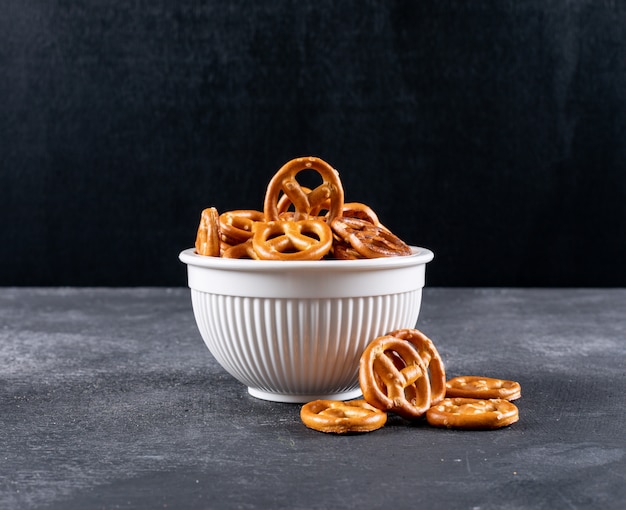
x=109 y=399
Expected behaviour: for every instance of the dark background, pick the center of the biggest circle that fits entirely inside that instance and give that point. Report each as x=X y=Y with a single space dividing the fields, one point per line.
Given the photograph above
x=492 y=132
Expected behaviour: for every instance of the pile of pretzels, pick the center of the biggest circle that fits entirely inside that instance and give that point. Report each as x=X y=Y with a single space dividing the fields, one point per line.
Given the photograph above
x=299 y=223
x=402 y=372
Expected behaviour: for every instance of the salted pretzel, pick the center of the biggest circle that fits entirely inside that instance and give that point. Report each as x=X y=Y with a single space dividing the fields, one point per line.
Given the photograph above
x=342 y=417
x=292 y=240
x=243 y=250
x=361 y=211
x=474 y=386
x=305 y=203
x=343 y=251
x=208 y=235
x=472 y=413
x=284 y=206
x=236 y=226
x=369 y=240
x=393 y=377
x=431 y=358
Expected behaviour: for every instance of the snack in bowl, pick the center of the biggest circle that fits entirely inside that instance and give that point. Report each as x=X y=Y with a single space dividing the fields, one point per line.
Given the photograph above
x=308 y=239
x=289 y=325
x=369 y=240
x=278 y=233
x=307 y=202
x=208 y=238
x=236 y=226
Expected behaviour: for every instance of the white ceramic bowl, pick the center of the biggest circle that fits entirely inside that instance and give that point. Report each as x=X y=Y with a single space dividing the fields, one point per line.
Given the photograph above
x=294 y=331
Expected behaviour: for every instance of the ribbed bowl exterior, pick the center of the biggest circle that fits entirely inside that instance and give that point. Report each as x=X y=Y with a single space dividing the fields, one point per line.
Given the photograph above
x=295 y=331
x=298 y=349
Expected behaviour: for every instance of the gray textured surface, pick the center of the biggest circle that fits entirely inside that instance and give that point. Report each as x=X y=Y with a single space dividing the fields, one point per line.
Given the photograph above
x=109 y=399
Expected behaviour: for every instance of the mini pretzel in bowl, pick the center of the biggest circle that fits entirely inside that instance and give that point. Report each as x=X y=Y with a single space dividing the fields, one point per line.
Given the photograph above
x=236 y=226
x=341 y=250
x=369 y=240
x=360 y=211
x=286 y=209
x=243 y=250
x=208 y=236
x=292 y=240
x=306 y=202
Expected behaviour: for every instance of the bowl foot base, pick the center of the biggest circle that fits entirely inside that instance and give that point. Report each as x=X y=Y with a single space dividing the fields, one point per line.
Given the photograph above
x=302 y=399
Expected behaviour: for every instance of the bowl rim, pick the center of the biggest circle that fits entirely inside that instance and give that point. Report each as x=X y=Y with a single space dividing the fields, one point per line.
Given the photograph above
x=419 y=256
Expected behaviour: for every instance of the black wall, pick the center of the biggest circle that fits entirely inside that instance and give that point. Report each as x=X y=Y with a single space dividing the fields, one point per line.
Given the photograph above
x=492 y=132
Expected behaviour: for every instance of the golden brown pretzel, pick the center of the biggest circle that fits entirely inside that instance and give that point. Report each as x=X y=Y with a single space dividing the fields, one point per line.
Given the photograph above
x=208 y=236
x=305 y=203
x=474 y=386
x=431 y=358
x=361 y=211
x=342 y=417
x=369 y=240
x=292 y=240
x=243 y=250
x=472 y=413
x=236 y=226
x=393 y=377
x=343 y=251
x=284 y=204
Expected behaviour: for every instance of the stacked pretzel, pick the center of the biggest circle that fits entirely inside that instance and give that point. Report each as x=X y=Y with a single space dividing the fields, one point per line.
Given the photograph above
x=403 y=373
x=292 y=226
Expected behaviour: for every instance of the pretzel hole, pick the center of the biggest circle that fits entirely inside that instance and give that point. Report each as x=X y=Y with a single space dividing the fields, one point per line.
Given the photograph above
x=309 y=178
x=313 y=235
x=410 y=391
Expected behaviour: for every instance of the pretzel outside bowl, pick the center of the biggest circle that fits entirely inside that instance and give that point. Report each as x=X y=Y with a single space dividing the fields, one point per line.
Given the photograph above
x=472 y=413
x=334 y=416
x=393 y=377
x=475 y=386
x=431 y=358
x=306 y=203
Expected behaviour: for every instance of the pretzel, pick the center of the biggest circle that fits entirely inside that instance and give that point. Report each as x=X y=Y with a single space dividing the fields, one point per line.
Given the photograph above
x=284 y=205
x=369 y=240
x=306 y=203
x=292 y=240
x=472 y=413
x=360 y=211
x=431 y=358
x=208 y=236
x=393 y=377
x=343 y=251
x=243 y=250
x=342 y=417
x=236 y=226
x=474 y=386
